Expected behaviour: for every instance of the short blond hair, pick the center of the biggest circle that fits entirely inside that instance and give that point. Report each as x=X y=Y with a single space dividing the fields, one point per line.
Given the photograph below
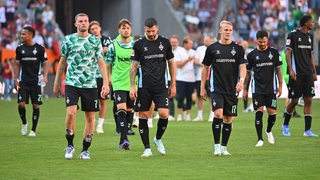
x=225 y=22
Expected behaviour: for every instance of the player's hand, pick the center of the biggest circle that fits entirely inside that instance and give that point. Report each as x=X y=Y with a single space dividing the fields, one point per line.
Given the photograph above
x=56 y=90
x=16 y=84
x=239 y=86
x=104 y=91
x=172 y=90
x=133 y=93
x=203 y=94
x=292 y=75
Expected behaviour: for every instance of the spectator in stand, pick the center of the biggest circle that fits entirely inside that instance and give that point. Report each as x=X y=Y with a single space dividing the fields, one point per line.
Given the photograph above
x=204 y=16
x=243 y=24
x=47 y=18
x=3 y=20
x=38 y=38
x=7 y=78
x=30 y=11
x=11 y=6
x=291 y=23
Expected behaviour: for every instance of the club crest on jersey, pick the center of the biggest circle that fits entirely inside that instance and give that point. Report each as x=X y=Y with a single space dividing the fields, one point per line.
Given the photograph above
x=299 y=39
x=23 y=52
x=145 y=48
x=233 y=52
x=161 y=46
x=34 y=51
x=257 y=57
x=270 y=55
x=218 y=52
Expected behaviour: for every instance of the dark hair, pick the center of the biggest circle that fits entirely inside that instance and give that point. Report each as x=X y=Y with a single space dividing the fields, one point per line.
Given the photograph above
x=150 y=22
x=30 y=29
x=123 y=22
x=305 y=18
x=262 y=34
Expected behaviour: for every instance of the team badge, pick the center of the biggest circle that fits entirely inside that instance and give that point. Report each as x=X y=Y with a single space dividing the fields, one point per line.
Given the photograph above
x=233 y=52
x=35 y=51
x=145 y=48
x=257 y=58
x=161 y=46
x=270 y=55
x=218 y=52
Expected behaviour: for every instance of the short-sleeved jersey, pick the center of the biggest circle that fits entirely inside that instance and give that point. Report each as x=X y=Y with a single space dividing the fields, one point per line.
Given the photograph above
x=105 y=42
x=263 y=64
x=302 y=47
x=31 y=59
x=224 y=61
x=119 y=56
x=82 y=54
x=153 y=56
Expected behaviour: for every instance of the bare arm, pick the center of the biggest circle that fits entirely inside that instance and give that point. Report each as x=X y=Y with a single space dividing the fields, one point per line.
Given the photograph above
x=292 y=74
x=280 y=80
x=105 y=76
x=172 y=70
x=133 y=73
x=204 y=74
x=57 y=81
x=180 y=64
x=243 y=70
x=45 y=72
x=16 y=74
x=246 y=84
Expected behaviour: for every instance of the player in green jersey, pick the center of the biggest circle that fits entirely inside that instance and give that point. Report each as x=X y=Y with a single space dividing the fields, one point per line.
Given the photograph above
x=82 y=52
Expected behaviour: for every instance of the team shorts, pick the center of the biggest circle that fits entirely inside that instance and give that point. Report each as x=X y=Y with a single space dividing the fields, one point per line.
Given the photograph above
x=32 y=91
x=228 y=102
x=99 y=87
x=89 y=98
x=303 y=86
x=123 y=97
x=146 y=96
x=267 y=100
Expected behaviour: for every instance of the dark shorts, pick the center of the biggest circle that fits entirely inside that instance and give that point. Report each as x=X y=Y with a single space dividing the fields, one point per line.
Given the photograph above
x=89 y=98
x=268 y=100
x=32 y=91
x=123 y=97
x=146 y=96
x=303 y=86
x=99 y=87
x=229 y=103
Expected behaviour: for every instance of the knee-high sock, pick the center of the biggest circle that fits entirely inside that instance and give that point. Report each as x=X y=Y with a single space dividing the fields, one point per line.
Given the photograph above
x=69 y=136
x=144 y=132
x=216 y=130
x=226 y=131
x=122 y=119
x=35 y=118
x=22 y=113
x=161 y=128
x=307 y=120
x=129 y=119
x=87 y=142
x=115 y=117
x=271 y=122
x=258 y=124
x=287 y=117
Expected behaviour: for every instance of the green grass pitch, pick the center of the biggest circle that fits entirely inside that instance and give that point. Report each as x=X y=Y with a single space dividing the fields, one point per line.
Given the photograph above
x=189 y=149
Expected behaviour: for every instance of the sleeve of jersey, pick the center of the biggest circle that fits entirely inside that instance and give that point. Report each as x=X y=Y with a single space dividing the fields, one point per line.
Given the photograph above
x=250 y=61
x=110 y=54
x=64 y=48
x=99 y=51
x=289 y=42
x=44 y=55
x=134 y=53
x=242 y=60
x=207 y=60
x=170 y=54
x=18 y=57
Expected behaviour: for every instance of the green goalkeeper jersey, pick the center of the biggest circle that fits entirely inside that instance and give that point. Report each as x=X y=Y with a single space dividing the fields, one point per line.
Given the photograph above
x=82 y=54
